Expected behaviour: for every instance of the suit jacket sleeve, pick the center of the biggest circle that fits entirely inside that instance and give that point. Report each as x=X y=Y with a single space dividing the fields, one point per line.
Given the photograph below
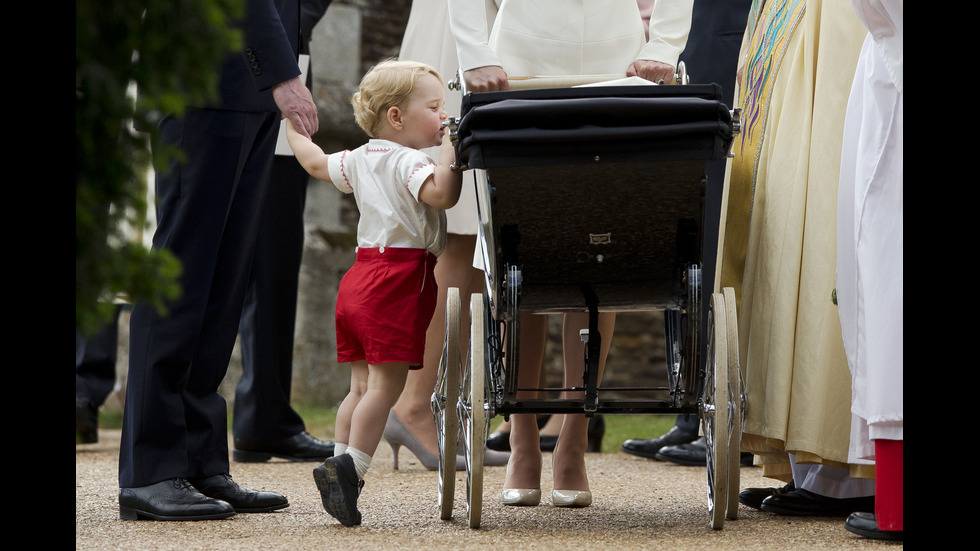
x=269 y=47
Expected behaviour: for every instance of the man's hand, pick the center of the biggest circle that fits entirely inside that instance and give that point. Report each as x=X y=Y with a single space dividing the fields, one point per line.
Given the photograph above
x=296 y=103
x=654 y=71
x=490 y=78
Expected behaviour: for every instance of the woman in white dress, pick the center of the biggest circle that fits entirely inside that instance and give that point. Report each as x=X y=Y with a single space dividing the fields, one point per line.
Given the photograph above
x=561 y=38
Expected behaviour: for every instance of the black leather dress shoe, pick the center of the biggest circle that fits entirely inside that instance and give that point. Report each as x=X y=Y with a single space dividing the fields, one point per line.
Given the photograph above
x=800 y=502
x=753 y=497
x=339 y=487
x=299 y=447
x=695 y=454
x=174 y=499
x=865 y=524
x=692 y=454
x=221 y=486
x=499 y=441
x=650 y=446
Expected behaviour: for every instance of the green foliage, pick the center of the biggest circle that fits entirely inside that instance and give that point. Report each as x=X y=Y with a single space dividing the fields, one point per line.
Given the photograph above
x=170 y=50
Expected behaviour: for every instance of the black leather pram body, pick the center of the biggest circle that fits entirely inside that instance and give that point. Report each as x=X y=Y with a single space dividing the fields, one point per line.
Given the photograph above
x=592 y=190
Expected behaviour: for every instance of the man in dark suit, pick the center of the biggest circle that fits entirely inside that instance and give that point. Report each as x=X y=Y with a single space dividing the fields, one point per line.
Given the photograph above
x=711 y=55
x=173 y=457
x=264 y=424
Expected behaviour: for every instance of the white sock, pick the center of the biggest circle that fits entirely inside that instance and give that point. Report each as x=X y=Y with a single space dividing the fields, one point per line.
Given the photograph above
x=339 y=449
x=362 y=461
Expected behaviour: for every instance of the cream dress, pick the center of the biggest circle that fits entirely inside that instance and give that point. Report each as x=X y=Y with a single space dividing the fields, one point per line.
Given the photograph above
x=567 y=37
x=428 y=39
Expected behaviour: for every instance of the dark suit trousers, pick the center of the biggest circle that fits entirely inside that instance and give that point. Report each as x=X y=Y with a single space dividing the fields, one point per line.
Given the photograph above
x=95 y=361
x=174 y=421
x=262 y=398
x=711 y=55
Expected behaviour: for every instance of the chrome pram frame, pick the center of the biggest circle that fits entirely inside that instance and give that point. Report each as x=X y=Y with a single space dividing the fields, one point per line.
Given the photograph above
x=617 y=140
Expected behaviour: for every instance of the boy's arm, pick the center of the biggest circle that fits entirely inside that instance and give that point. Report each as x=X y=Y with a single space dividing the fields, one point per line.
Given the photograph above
x=309 y=155
x=441 y=190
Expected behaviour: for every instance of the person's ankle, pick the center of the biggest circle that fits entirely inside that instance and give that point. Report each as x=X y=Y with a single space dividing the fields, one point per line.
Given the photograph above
x=571 y=479
x=413 y=416
x=523 y=481
x=524 y=470
x=569 y=469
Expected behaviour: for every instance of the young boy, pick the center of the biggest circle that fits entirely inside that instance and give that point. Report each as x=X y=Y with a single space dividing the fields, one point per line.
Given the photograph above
x=387 y=298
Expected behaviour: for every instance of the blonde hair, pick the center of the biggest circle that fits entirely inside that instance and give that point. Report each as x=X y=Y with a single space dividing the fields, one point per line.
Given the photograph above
x=386 y=85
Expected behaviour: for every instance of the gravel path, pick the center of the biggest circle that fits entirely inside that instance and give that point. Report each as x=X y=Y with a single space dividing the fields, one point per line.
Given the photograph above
x=638 y=504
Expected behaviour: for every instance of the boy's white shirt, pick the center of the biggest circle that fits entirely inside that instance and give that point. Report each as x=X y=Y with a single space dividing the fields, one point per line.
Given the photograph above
x=390 y=217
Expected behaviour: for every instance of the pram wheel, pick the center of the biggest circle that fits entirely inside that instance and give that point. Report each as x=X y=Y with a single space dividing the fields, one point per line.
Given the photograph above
x=715 y=411
x=472 y=412
x=444 y=401
x=735 y=409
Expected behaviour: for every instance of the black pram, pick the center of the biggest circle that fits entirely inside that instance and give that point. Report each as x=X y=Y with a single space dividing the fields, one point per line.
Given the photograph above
x=592 y=199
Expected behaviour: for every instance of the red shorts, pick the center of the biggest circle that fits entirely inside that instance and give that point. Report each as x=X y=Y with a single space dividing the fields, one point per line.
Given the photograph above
x=384 y=306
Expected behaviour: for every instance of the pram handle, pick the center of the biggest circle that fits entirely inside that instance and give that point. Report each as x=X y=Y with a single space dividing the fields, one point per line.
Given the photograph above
x=562 y=81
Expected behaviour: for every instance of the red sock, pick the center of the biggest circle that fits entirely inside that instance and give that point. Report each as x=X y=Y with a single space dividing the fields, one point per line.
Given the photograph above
x=889 y=496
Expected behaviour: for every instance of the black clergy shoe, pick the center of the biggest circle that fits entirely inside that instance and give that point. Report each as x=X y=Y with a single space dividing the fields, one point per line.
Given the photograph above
x=753 y=497
x=221 y=486
x=299 y=447
x=174 y=499
x=650 y=446
x=865 y=524
x=801 y=502
x=695 y=454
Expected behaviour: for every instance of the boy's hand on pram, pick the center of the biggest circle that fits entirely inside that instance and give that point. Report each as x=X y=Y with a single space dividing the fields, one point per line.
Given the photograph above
x=654 y=71
x=490 y=78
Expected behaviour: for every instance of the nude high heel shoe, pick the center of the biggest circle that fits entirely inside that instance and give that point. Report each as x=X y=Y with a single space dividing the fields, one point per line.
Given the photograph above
x=398 y=435
x=521 y=498
x=569 y=498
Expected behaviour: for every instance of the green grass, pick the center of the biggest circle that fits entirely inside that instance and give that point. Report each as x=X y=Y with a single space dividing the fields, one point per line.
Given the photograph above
x=319 y=420
x=619 y=428
x=110 y=419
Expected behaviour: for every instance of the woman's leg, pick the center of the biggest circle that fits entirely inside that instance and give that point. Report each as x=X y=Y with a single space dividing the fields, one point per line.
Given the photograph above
x=524 y=465
x=454 y=269
x=573 y=440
